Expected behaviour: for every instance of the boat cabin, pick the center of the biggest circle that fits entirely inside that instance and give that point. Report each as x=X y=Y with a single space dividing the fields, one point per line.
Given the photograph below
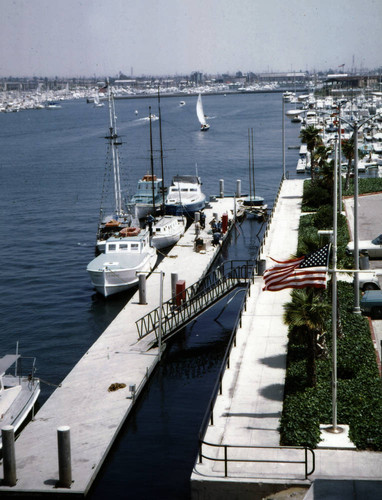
x=128 y=244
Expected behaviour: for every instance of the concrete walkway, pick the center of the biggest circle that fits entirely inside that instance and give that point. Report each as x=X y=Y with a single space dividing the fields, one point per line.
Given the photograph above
x=248 y=411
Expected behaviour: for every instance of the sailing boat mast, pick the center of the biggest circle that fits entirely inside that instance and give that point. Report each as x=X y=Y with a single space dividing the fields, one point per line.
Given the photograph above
x=251 y=165
x=152 y=162
x=161 y=151
x=113 y=141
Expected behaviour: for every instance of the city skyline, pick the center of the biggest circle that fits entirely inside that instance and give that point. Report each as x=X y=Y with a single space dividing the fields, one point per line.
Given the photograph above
x=175 y=37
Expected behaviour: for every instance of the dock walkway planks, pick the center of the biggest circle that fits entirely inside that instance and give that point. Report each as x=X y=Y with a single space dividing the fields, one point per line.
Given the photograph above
x=83 y=402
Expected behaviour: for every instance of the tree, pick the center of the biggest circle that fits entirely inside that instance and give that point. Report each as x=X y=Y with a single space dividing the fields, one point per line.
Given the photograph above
x=347 y=147
x=310 y=135
x=306 y=315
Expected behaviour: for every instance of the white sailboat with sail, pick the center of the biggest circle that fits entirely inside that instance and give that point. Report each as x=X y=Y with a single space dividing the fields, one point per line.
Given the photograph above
x=200 y=114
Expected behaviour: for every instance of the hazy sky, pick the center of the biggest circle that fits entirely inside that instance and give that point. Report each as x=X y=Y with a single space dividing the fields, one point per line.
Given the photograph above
x=159 y=37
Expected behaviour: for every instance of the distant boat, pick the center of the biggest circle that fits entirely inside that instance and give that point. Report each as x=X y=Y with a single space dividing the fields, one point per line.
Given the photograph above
x=200 y=114
x=53 y=105
x=18 y=393
x=97 y=103
x=185 y=196
x=182 y=103
x=125 y=255
x=136 y=112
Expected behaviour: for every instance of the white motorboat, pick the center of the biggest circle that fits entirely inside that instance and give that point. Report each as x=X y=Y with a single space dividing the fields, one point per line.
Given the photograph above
x=185 y=196
x=200 y=114
x=167 y=230
x=18 y=393
x=125 y=255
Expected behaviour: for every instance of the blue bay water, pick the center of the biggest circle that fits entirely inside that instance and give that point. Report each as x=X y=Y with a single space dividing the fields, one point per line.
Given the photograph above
x=51 y=173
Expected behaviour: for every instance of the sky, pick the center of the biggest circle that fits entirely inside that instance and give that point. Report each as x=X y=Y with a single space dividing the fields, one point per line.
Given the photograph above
x=77 y=38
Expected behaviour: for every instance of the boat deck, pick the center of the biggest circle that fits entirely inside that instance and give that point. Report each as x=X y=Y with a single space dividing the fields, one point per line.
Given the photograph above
x=83 y=402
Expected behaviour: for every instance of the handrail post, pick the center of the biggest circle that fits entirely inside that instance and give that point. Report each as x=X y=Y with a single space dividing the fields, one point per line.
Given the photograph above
x=225 y=461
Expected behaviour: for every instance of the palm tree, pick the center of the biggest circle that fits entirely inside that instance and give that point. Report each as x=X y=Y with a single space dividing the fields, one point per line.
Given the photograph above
x=348 y=151
x=306 y=314
x=310 y=135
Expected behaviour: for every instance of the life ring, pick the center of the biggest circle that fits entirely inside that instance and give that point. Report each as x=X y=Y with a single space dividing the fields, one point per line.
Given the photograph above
x=112 y=223
x=130 y=231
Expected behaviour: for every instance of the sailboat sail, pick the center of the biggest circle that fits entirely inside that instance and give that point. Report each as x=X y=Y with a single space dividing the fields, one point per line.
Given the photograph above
x=199 y=111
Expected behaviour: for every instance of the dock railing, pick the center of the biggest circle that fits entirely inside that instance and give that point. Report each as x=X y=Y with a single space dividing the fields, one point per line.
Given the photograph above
x=197 y=298
x=231 y=452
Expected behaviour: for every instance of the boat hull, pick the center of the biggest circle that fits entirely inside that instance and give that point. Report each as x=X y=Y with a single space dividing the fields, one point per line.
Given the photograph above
x=114 y=279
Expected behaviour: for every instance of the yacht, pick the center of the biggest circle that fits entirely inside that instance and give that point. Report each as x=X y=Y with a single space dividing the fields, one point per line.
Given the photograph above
x=148 y=195
x=185 y=196
x=126 y=254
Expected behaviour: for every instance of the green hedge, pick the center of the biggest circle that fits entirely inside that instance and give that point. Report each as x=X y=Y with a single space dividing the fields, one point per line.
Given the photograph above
x=365 y=185
x=359 y=392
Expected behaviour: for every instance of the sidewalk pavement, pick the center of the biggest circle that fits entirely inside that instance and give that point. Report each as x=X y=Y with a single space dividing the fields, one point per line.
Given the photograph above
x=250 y=406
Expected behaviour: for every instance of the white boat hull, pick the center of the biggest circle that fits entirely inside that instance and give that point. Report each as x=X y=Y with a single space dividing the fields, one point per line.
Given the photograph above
x=168 y=231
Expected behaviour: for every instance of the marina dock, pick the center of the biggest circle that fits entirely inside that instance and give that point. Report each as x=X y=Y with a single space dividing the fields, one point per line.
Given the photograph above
x=85 y=401
x=245 y=459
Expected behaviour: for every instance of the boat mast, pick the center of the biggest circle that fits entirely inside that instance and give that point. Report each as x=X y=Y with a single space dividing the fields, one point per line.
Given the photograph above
x=113 y=139
x=249 y=165
x=152 y=161
x=253 y=168
x=161 y=150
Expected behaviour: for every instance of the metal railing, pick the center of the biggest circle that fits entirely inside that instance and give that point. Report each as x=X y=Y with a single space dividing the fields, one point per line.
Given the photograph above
x=197 y=298
x=234 y=449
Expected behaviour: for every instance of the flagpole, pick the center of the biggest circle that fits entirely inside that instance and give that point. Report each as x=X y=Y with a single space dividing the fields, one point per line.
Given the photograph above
x=334 y=428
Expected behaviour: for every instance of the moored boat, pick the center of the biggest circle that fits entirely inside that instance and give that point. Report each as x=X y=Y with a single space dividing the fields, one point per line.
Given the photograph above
x=185 y=196
x=167 y=231
x=18 y=393
x=148 y=197
x=125 y=255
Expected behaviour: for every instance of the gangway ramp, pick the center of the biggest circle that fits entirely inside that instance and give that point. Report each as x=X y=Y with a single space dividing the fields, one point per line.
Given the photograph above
x=174 y=314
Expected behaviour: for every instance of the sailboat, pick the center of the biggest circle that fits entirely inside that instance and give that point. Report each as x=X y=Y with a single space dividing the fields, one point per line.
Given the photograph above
x=119 y=218
x=167 y=229
x=97 y=103
x=252 y=204
x=200 y=114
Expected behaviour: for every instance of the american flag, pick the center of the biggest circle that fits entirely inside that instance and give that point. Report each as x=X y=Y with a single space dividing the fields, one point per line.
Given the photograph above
x=306 y=271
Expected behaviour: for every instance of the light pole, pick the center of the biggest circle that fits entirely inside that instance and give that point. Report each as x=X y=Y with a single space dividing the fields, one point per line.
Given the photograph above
x=356 y=308
x=283 y=134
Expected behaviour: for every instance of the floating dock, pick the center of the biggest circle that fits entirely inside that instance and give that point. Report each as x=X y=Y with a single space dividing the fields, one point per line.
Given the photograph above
x=83 y=402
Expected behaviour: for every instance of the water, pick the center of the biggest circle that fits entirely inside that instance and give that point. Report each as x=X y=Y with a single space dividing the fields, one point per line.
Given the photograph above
x=51 y=172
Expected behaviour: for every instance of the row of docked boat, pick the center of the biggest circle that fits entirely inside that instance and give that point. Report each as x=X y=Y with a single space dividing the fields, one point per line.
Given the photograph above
x=330 y=113
x=129 y=237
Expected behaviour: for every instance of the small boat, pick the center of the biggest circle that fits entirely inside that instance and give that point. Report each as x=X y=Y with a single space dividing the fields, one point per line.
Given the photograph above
x=53 y=105
x=185 y=196
x=182 y=103
x=97 y=103
x=167 y=231
x=18 y=393
x=125 y=255
x=136 y=112
x=200 y=114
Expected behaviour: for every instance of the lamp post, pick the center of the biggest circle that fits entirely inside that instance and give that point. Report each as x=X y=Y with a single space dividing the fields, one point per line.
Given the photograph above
x=356 y=308
x=334 y=428
x=283 y=134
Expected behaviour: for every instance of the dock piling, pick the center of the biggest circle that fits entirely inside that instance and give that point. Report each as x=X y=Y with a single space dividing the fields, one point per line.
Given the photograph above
x=142 y=289
x=221 y=183
x=174 y=279
x=64 y=457
x=238 y=188
x=9 y=457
